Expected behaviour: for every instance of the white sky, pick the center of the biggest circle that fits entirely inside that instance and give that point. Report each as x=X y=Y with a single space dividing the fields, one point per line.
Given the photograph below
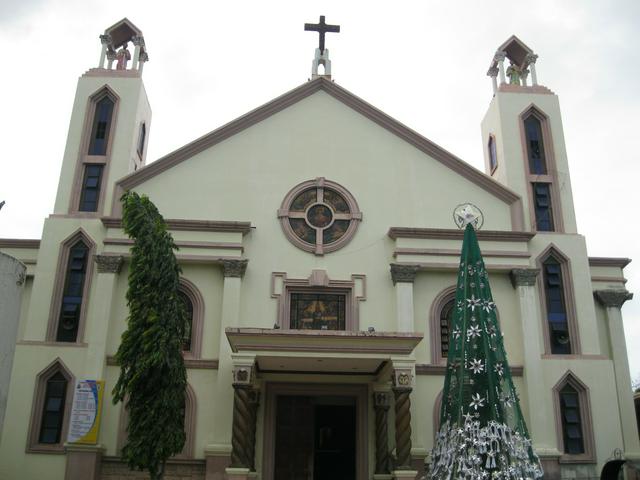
x=422 y=62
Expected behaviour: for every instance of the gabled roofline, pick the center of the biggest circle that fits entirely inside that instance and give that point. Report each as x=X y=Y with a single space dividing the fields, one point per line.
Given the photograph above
x=367 y=110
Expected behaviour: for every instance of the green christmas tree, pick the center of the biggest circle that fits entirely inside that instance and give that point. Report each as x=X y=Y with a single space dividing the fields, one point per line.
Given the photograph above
x=482 y=433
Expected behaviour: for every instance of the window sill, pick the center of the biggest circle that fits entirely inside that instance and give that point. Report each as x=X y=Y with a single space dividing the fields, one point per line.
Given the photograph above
x=57 y=449
x=582 y=458
x=47 y=343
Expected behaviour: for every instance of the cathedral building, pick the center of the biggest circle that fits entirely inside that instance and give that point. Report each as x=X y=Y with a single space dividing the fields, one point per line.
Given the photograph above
x=319 y=261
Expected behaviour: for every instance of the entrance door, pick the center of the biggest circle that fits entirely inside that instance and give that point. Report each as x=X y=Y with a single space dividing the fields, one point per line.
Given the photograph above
x=315 y=438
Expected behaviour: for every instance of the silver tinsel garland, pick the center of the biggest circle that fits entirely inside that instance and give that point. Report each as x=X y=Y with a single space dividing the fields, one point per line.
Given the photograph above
x=474 y=452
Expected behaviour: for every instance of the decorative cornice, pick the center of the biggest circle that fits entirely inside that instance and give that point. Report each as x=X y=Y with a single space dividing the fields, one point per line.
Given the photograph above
x=109 y=263
x=193 y=363
x=234 y=268
x=191 y=225
x=453 y=234
x=19 y=243
x=524 y=277
x=609 y=262
x=405 y=273
x=613 y=298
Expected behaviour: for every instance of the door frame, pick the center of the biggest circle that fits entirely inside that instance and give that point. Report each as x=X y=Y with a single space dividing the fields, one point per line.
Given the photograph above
x=359 y=392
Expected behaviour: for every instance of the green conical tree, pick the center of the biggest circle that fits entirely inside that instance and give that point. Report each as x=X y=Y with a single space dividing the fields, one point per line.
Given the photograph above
x=152 y=378
x=482 y=433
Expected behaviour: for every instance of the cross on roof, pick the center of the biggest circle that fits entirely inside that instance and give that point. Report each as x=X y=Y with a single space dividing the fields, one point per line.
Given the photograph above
x=321 y=28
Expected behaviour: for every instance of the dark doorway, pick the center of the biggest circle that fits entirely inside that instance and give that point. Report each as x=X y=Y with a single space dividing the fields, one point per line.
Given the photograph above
x=315 y=438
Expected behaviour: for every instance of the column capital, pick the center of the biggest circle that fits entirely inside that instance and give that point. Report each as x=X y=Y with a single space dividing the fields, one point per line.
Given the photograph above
x=524 y=277
x=493 y=72
x=234 y=268
x=111 y=55
x=138 y=40
x=405 y=273
x=403 y=378
x=105 y=39
x=109 y=263
x=531 y=58
x=500 y=56
x=613 y=298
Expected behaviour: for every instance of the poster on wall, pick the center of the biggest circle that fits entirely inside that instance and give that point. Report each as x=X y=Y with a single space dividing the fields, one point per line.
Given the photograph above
x=85 y=412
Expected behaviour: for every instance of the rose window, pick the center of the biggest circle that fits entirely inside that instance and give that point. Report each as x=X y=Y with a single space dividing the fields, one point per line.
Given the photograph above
x=319 y=216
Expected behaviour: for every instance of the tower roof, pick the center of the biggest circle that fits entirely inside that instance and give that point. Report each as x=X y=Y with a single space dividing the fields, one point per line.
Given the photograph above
x=516 y=50
x=122 y=32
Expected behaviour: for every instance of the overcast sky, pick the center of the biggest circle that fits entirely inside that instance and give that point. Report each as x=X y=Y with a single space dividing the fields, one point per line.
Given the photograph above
x=423 y=62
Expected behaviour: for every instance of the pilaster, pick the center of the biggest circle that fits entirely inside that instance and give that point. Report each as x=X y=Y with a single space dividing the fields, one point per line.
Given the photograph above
x=403 y=276
x=233 y=271
x=613 y=300
x=99 y=314
x=541 y=426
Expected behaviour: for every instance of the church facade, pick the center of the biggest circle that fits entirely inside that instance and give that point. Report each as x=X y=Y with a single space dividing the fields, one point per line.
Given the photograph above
x=319 y=278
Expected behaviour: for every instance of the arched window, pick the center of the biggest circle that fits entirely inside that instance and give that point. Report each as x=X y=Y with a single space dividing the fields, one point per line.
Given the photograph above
x=561 y=331
x=441 y=315
x=535 y=145
x=101 y=126
x=493 y=155
x=50 y=409
x=71 y=290
x=194 y=305
x=190 y=411
x=573 y=419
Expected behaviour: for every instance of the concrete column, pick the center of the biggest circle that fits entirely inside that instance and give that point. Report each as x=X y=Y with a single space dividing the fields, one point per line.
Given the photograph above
x=531 y=59
x=403 y=276
x=403 y=382
x=233 y=271
x=541 y=425
x=493 y=73
x=613 y=300
x=138 y=43
x=12 y=276
x=106 y=41
x=99 y=314
x=499 y=58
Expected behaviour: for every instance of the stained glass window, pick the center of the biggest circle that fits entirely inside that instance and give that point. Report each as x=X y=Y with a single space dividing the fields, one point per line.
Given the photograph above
x=72 y=294
x=317 y=311
x=320 y=217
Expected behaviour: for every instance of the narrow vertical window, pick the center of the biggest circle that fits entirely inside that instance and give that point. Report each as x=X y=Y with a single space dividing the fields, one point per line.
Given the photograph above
x=101 y=127
x=446 y=317
x=493 y=157
x=69 y=319
x=570 y=416
x=557 y=319
x=542 y=206
x=53 y=410
x=141 y=138
x=535 y=146
x=91 y=188
x=188 y=328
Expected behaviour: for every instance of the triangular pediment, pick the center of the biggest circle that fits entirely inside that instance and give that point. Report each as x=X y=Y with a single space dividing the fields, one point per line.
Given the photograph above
x=297 y=95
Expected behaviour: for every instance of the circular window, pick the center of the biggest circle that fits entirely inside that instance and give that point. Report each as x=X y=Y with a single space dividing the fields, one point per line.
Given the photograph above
x=319 y=216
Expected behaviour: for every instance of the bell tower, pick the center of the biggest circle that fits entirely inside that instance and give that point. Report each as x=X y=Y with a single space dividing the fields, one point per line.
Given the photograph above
x=109 y=127
x=523 y=140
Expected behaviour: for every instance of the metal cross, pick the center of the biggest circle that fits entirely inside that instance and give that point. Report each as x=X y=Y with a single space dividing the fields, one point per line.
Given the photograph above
x=321 y=28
